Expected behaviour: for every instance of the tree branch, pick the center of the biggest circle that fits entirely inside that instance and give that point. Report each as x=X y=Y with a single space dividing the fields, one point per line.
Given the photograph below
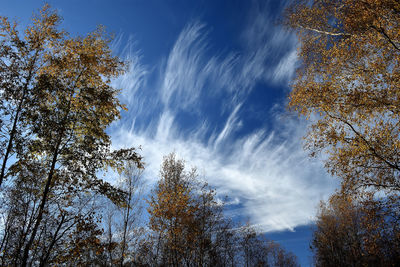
x=371 y=148
x=325 y=32
x=382 y=31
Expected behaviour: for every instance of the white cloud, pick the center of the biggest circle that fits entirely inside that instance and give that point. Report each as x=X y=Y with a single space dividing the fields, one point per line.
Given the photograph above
x=231 y=124
x=165 y=126
x=136 y=73
x=271 y=43
x=183 y=78
x=285 y=69
x=266 y=173
x=277 y=184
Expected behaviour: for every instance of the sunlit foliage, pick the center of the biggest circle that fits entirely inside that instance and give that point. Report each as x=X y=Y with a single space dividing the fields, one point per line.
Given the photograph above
x=349 y=81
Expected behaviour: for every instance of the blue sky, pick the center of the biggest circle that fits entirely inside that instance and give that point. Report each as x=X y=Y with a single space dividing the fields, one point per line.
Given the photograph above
x=209 y=80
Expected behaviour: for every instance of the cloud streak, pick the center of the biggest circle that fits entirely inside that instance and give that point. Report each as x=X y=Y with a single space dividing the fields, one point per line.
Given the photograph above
x=183 y=77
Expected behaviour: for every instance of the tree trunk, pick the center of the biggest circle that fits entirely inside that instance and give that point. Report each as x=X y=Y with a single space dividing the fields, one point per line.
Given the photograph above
x=16 y=119
x=13 y=130
x=42 y=203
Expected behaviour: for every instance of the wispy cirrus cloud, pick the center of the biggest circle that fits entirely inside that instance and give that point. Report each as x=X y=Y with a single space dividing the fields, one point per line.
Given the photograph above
x=273 y=182
x=277 y=47
x=184 y=75
x=136 y=73
x=284 y=71
x=197 y=110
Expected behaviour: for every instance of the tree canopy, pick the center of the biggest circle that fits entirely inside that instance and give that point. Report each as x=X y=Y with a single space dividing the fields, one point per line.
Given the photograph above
x=348 y=79
x=348 y=82
x=357 y=232
x=57 y=102
x=188 y=227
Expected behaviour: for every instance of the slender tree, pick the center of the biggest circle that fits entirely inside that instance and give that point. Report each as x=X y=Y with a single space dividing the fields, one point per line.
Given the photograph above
x=20 y=62
x=66 y=86
x=172 y=210
x=123 y=229
x=129 y=228
x=257 y=250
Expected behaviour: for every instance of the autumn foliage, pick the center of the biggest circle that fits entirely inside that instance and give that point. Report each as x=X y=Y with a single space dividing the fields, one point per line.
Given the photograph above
x=348 y=84
x=349 y=80
x=189 y=229
x=357 y=232
x=56 y=102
